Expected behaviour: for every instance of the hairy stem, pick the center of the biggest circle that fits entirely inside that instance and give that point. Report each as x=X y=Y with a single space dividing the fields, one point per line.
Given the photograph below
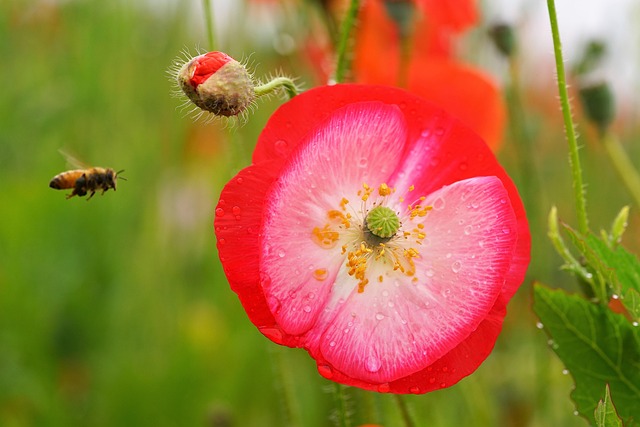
x=346 y=28
x=574 y=158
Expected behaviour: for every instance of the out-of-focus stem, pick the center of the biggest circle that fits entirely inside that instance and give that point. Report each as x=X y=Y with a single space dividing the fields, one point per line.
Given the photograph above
x=340 y=397
x=404 y=411
x=574 y=158
x=348 y=23
x=208 y=18
x=622 y=164
x=519 y=131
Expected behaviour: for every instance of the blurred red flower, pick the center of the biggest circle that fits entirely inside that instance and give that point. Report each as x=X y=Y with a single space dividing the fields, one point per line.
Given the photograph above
x=432 y=72
x=410 y=311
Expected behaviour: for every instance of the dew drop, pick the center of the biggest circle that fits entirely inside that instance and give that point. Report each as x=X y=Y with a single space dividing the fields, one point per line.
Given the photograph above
x=219 y=212
x=634 y=323
x=615 y=296
x=281 y=147
x=565 y=372
x=320 y=274
x=438 y=204
x=468 y=230
x=332 y=344
x=363 y=162
x=430 y=272
x=576 y=413
x=432 y=380
x=325 y=371
x=539 y=325
x=273 y=334
x=443 y=385
x=414 y=390
x=221 y=242
x=425 y=133
x=306 y=309
x=506 y=230
x=372 y=364
x=236 y=210
x=240 y=180
x=281 y=253
x=384 y=388
x=456 y=266
x=379 y=316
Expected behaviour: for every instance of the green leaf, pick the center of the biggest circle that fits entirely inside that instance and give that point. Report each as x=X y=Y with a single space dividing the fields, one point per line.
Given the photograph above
x=605 y=413
x=631 y=302
x=613 y=268
x=597 y=346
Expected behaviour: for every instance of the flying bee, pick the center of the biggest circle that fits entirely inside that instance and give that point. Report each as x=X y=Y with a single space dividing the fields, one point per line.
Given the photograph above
x=86 y=180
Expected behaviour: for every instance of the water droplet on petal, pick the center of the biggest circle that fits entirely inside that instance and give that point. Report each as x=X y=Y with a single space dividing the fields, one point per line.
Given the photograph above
x=219 y=212
x=362 y=163
x=384 y=388
x=273 y=334
x=443 y=385
x=240 y=180
x=372 y=364
x=468 y=229
x=506 y=230
x=425 y=133
x=320 y=274
x=438 y=204
x=281 y=253
x=325 y=371
x=430 y=272
x=306 y=309
x=379 y=316
x=221 y=242
x=236 y=210
x=456 y=266
x=414 y=390
x=282 y=147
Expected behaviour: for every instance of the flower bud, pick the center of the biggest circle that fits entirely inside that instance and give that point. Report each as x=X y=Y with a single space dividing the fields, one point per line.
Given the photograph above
x=504 y=38
x=598 y=103
x=217 y=83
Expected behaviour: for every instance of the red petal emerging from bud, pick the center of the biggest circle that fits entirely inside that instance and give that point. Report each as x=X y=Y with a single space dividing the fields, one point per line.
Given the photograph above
x=204 y=66
x=217 y=83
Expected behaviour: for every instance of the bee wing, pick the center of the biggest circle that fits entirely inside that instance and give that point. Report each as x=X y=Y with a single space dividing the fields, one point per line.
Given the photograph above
x=72 y=160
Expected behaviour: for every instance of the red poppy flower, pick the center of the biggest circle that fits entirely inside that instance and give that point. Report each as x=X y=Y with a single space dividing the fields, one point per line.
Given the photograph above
x=467 y=93
x=378 y=233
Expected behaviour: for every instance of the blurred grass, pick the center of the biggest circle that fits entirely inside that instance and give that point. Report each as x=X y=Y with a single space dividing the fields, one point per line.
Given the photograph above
x=115 y=312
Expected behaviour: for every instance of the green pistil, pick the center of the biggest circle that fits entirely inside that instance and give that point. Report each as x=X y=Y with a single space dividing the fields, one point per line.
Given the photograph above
x=382 y=222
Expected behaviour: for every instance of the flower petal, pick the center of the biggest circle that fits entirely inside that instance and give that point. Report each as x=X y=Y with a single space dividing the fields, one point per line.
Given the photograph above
x=360 y=143
x=399 y=326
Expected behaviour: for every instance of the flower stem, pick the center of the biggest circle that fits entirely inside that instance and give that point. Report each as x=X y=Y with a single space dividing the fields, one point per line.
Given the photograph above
x=574 y=158
x=278 y=83
x=622 y=164
x=342 y=406
x=348 y=23
x=404 y=411
x=521 y=134
x=208 y=19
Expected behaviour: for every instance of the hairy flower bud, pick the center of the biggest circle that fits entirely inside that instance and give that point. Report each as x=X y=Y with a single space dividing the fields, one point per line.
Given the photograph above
x=217 y=83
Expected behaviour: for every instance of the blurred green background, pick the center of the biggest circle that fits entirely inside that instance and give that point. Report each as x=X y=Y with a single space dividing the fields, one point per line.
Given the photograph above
x=115 y=312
